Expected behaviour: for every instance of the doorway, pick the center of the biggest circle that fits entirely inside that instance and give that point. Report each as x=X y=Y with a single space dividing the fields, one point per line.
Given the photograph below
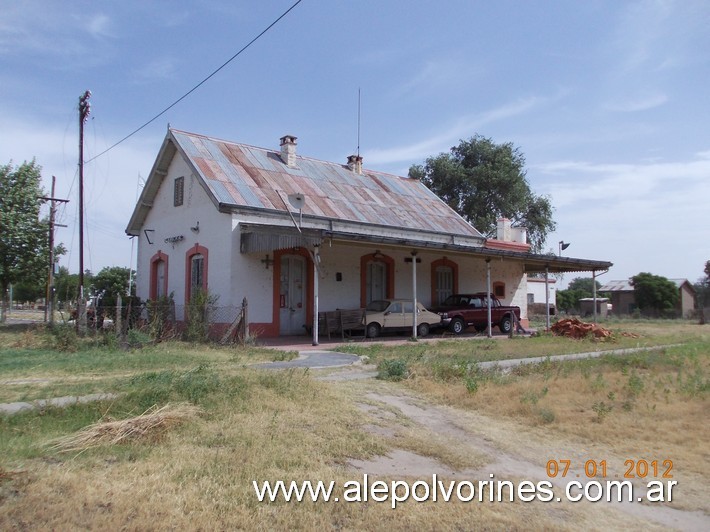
x=292 y=295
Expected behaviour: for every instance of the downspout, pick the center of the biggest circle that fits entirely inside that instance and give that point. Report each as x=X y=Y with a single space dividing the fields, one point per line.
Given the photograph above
x=414 y=296
x=547 y=298
x=594 y=295
x=316 y=279
x=594 y=290
x=488 y=297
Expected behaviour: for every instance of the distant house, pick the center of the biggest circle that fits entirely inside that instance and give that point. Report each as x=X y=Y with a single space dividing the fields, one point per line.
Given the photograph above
x=295 y=236
x=536 y=295
x=623 y=301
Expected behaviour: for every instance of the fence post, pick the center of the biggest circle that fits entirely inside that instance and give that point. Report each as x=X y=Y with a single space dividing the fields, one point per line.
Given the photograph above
x=119 y=312
x=245 y=307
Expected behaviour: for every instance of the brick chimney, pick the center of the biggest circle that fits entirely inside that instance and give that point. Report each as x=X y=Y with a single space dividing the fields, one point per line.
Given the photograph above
x=288 y=150
x=355 y=163
x=507 y=233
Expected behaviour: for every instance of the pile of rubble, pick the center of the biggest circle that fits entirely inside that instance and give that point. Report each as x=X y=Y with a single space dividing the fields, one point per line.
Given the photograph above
x=574 y=328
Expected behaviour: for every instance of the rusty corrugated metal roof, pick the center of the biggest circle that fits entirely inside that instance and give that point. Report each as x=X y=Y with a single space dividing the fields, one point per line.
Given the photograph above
x=240 y=175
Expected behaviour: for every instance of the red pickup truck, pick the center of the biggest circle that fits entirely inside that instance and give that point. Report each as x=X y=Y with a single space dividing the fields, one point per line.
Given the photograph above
x=464 y=310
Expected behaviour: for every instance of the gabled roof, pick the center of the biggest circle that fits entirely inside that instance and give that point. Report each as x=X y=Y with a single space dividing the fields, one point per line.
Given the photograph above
x=239 y=176
x=623 y=285
x=340 y=203
x=626 y=286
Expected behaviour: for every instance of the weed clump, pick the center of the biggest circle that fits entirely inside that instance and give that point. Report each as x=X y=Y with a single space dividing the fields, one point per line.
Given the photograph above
x=392 y=369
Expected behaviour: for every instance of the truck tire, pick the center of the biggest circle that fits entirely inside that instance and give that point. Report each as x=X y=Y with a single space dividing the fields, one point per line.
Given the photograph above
x=423 y=329
x=505 y=325
x=457 y=326
x=372 y=330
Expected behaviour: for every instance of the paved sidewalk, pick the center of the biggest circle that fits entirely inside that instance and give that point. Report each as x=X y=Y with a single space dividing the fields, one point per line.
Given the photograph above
x=513 y=362
x=314 y=360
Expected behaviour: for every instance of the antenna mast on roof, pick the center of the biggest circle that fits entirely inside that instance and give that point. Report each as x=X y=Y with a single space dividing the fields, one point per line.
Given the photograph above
x=358 y=121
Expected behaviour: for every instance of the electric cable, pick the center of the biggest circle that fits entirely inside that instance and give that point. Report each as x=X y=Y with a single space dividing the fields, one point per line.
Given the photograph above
x=193 y=89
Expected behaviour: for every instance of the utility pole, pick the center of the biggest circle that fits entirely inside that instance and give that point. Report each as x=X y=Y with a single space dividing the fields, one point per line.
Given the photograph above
x=49 y=307
x=84 y=110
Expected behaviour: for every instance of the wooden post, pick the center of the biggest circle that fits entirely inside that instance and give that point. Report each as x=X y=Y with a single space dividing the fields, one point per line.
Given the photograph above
x=119 y=310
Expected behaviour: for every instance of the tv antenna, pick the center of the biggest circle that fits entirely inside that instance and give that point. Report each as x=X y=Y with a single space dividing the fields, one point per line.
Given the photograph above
x=358 y=121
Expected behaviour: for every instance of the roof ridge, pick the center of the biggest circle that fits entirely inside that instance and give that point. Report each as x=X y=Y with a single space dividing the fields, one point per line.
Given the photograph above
x=303 y=157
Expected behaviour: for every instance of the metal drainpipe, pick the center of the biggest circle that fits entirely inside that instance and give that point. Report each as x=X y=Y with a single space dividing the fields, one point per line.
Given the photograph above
x=547 y=299
x=488 y=297
x=594 y=295
x=414 y=292
x=316 y=269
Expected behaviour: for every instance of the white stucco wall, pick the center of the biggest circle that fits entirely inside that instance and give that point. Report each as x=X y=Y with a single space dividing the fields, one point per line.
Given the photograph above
x=536 y=287
x=167 y=221
x=233 y=276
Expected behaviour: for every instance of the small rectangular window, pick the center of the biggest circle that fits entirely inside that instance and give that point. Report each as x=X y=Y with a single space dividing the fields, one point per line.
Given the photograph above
x=179 y=192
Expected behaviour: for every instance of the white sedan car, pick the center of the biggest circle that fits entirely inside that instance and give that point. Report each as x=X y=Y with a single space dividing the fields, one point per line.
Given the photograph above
x=396 y=315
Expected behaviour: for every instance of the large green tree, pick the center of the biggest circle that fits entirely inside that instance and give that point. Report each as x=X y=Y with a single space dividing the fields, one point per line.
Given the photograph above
x=578 y=288
x=112 y=280
x=24 y=244
x=484 y=181
x=655 y=295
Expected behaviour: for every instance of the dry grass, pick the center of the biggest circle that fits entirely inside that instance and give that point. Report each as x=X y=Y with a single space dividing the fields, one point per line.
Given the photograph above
x=148 y=427
x=262 y=425
x=651 y=407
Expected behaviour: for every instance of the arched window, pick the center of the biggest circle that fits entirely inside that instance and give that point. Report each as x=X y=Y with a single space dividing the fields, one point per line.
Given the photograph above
x=196 y=262
x=376 y=277
x=444 y=280
x=158 y=276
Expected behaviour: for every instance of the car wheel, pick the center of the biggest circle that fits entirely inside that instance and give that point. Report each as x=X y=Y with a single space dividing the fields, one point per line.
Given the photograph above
x=505 y=325
x=373 y=330
x=423 y=329
x=457 y=326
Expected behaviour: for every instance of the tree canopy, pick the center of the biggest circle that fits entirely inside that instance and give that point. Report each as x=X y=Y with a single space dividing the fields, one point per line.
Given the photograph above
x=578 y=288
x=655 y=295
x=113 y=280
x=484 y=181
x=24 y=243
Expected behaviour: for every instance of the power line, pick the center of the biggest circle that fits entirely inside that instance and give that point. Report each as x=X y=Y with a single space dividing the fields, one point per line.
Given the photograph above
x=193 y=89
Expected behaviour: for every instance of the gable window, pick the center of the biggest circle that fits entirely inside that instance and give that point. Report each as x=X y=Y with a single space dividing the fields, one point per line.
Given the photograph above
x=196 y=269
x=158 y=276
x=444 y=280
x=376 y=278
x=179 y=191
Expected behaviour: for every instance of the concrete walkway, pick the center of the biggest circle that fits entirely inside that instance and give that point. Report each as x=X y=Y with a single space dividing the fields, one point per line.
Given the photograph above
x=14 y=408
x=314 y=360
x=513 y=362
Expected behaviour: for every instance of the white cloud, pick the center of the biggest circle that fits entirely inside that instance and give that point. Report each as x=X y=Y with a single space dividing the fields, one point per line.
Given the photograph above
x=641 y=102
x=98 y=26
x=578 y=182
x=463 y=127
x=157 y=69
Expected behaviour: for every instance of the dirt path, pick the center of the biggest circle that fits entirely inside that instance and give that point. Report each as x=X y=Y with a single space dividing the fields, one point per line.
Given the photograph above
x=497 y=447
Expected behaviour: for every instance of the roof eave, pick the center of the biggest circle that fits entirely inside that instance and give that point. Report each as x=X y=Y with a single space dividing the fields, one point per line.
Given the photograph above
x=152 y=184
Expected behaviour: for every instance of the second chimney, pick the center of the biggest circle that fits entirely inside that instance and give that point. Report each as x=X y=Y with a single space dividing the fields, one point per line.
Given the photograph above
x=355 y=163
x=288 y=150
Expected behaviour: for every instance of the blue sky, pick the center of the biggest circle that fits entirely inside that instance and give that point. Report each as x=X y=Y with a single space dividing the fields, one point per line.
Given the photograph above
x=608 y=100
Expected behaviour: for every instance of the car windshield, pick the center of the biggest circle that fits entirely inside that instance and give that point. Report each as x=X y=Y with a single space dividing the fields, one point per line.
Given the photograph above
x=378 y=306
x=456 y=301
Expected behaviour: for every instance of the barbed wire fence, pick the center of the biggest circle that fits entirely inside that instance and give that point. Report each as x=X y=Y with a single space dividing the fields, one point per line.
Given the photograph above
x=164 y=320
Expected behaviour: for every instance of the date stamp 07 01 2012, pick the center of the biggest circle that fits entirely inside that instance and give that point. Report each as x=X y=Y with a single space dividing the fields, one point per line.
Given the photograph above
x=598 y=468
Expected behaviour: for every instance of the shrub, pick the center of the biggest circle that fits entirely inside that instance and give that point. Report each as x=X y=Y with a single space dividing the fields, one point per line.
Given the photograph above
x=392 y=369
x=198 y=316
